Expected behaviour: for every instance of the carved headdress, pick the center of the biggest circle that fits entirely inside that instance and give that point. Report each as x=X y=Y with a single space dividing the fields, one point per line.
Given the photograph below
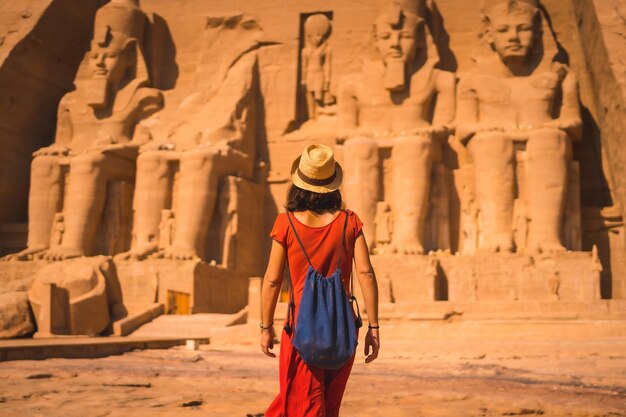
x=509 y=6
x=397 y=10
x=318 y=23
x=123 y=17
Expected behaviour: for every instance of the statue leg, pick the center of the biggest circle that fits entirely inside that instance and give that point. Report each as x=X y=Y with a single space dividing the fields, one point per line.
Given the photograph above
x=311 y=104
x=84 y=203
x=412 y=162
x=153 y=192
x=200 y=171
x=493 y=156
x=548 y=152
x=45 y=199
x=361 y=183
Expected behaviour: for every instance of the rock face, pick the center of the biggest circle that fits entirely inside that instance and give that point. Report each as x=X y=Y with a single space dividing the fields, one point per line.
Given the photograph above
x=41 y=45
x=76 y=297
x=15 y=315
x=483 y=130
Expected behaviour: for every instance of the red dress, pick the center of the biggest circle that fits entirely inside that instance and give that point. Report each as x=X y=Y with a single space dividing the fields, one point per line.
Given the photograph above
x=309 y=391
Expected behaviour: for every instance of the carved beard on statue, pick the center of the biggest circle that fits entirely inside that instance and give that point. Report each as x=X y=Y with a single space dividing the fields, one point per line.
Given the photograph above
x=99 y=93
x=110 y=64
x=395 y=75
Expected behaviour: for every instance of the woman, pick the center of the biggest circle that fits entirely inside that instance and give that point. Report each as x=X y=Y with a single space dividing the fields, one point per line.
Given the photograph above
x=314 y=208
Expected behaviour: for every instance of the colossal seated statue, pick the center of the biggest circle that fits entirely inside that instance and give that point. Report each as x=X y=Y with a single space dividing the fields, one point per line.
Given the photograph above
x=93 y=146
x=518 y=95
x=210 y=137
x=390 y=106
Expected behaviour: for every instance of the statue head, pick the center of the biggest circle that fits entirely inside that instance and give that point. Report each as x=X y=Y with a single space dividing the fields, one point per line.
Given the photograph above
x=513 y=29
x=398 y=33
x=116 y=56
x=316 y=29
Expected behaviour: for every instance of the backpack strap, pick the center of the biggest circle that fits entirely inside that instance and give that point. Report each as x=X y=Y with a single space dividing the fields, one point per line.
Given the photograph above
x=298 y=238
x=343 y=238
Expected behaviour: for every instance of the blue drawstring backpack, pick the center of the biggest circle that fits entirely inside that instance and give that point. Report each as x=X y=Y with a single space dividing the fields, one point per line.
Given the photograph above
x=325 y=333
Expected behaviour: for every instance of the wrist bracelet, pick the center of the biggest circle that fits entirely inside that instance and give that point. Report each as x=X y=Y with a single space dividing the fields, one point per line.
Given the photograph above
x=369 y=326
x=266 y=328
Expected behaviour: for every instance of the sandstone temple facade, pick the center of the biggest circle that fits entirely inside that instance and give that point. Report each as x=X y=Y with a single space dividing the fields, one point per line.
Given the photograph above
x=145 y=150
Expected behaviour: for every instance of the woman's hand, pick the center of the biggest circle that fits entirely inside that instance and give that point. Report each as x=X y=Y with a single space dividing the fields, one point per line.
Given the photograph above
x=372 y=340
x=267 y=341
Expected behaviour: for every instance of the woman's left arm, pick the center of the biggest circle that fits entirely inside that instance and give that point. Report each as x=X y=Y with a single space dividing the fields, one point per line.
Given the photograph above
x=272 y=283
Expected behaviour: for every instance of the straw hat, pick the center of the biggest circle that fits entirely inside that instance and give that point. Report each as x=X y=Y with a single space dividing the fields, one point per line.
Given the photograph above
x=316 y=170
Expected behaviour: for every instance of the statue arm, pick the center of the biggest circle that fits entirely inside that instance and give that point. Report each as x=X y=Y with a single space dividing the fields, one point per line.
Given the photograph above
x=466 y=111
x=570 y=107
x=328 y=64
x=348 y=109
x=445 y=105
x=64 y=131
x=147 y=102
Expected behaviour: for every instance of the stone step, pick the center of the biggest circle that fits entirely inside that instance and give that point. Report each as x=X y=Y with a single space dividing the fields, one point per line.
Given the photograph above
x=83 y=347
x=187 y=325
x=494 y=310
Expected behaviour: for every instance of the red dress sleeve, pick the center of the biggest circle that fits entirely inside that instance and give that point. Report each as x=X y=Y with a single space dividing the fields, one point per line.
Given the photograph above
x=355 y=225
x=279 y=231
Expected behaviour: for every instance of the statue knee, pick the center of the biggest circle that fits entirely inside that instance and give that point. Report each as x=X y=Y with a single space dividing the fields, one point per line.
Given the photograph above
x=548 y=141
x=362 y=147
x=43 y=166
x=490 y=137
x=412 y=147
x=86 y=164
x=490 y=143
x=151 y=161
x=198 y=159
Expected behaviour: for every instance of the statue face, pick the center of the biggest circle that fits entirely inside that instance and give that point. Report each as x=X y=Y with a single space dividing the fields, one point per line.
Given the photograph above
x=315 y=38
x=512 y=35
x=110 y=62
x=396 y=42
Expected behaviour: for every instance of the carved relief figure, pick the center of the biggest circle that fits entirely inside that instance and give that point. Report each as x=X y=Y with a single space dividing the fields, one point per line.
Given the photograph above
x=167 y=227
x=518 y=96
x=384 y=226
x=58 y=229
x=94 y=136
x=316 y=63
x=391 y=106
x=211 y=136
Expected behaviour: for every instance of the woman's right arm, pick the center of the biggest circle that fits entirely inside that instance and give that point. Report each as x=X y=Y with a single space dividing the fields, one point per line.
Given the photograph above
x=272 y=283
x=369 y=287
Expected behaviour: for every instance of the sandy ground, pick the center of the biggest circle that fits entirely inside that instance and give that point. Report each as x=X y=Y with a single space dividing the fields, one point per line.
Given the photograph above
x=425 y=369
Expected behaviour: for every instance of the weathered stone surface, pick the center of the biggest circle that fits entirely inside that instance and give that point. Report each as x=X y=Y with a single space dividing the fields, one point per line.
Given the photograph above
x=41 y=45
x=76 y=297
x=183 y=286
x=15 y=315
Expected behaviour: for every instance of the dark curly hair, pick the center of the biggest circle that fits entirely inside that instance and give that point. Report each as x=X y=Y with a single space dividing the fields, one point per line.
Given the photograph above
x=302 y=200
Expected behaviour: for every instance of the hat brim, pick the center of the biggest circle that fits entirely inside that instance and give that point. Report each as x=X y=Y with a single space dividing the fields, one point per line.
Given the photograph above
x=326 y=188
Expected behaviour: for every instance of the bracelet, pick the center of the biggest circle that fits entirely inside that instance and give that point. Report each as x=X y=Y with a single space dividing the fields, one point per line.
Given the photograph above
x=266 y=328
x=369 y=326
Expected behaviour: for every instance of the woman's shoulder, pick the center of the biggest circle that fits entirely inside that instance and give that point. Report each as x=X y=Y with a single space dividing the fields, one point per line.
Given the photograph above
x=282 y=219
x=352 y=215
x=354 y=222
